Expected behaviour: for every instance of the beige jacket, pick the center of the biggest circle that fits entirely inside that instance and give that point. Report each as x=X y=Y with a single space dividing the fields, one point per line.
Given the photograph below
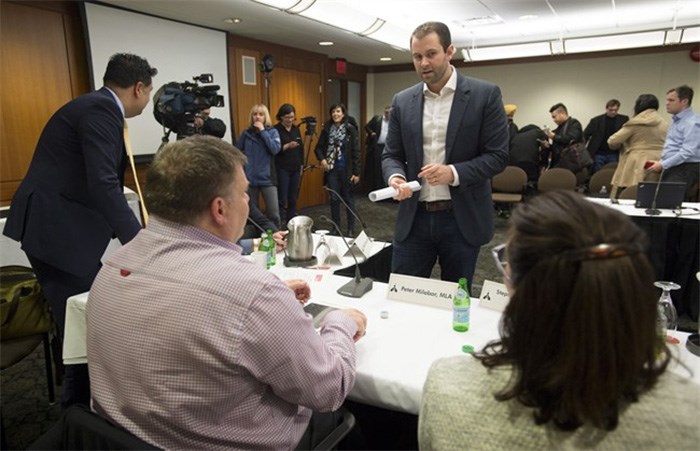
x=641 y=139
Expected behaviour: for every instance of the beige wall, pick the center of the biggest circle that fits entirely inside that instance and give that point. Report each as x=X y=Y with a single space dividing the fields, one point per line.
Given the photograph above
x=583 y=85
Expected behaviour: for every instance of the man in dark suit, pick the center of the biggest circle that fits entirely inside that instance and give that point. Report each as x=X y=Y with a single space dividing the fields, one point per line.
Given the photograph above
x=597 y=132
x=71 y=201
x=450 y=131
x=377 y=129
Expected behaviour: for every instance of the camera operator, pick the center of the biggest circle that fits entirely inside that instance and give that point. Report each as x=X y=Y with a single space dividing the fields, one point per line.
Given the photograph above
x=204 y=124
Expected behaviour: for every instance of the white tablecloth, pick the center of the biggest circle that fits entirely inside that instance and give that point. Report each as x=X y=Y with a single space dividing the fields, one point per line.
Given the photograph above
x=395 y=355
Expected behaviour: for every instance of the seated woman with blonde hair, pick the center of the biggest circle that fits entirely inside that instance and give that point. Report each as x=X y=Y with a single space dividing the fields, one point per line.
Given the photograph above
x=640 y=139
x=579 y=362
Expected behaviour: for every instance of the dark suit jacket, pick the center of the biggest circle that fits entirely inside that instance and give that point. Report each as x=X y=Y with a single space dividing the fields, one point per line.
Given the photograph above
x=71 y=201
x=594 y=134
x=373 y=128
x=476 y=144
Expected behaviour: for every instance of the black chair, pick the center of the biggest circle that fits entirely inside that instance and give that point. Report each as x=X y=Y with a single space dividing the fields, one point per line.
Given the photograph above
x=80 y=428
x=334 y=438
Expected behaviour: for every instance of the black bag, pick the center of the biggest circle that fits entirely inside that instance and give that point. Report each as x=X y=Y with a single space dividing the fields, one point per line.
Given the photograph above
x=23 y=309
x=575 y=157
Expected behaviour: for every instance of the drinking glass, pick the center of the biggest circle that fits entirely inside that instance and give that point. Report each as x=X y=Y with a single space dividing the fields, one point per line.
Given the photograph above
x=668 y=317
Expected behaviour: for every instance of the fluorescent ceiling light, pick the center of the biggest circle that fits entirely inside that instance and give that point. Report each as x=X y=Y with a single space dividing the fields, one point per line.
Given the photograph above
x=341 y=15
x=614 y=42
x=510 y=51
x=691 y=35
x=673 y=37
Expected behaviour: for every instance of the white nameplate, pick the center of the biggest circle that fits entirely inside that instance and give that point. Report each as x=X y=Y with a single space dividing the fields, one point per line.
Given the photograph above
x=494 y=296
x=361 y=246
x=419 y=290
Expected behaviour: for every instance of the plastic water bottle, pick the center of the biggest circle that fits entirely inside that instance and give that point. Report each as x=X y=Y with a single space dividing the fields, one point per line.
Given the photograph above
x=264 y=246
x=461 y=304
x=603 y=190
x=272 y=259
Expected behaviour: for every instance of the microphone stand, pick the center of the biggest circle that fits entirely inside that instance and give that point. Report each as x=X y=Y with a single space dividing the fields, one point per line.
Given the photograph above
x=653 y=211
x=358 y=286
x=336 y=194
x=257 y=226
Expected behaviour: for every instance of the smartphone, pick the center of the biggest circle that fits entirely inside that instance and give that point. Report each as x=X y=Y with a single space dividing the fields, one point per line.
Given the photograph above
x=648 y=164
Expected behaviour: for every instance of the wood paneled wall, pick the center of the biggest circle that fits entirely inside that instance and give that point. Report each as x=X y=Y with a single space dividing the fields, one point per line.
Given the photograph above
x=43 y=66
x=299 y=78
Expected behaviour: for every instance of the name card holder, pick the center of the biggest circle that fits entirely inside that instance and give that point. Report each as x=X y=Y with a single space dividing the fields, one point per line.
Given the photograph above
x=494 y=296
x=422 y=291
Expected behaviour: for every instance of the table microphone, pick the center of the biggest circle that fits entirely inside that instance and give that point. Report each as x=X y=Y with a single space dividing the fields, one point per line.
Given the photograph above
x=358 y=286
x=653 y=211
x=362 y=223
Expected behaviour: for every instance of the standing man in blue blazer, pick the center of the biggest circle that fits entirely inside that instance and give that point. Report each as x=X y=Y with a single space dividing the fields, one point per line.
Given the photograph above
x=451 y=133
x=71 y=201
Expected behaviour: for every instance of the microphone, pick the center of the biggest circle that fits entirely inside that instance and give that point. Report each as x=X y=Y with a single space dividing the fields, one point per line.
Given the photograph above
x=358 y=286
x=250 y=220
x=362 y=223
x=653 y=211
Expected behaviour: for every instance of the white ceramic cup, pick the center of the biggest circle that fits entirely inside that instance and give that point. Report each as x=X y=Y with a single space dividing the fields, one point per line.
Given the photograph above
x=260 y=258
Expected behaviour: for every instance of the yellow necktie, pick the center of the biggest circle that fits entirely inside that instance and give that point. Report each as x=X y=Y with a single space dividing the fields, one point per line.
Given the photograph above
x=142 y=204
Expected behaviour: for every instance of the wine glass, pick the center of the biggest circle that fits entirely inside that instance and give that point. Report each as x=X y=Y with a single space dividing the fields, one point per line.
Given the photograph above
x=668 y=317
x=322 y=251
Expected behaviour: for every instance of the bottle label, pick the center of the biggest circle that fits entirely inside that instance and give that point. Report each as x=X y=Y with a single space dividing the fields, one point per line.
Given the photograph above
x=460 y=315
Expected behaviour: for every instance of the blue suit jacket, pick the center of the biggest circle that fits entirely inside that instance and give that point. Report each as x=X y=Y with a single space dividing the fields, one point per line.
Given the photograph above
x=71 y=201
x=476 y=144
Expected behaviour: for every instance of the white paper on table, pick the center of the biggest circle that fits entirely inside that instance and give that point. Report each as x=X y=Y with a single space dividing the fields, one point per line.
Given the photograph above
x=389 y=192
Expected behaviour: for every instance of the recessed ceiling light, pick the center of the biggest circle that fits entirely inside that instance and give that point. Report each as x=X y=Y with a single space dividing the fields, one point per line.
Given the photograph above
x=385 y=58
x=233 y=20
x=325 y=43
x=528 y=17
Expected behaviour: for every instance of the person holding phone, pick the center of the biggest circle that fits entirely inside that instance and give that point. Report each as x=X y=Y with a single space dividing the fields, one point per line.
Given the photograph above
x=288 y=162
x=640 y=141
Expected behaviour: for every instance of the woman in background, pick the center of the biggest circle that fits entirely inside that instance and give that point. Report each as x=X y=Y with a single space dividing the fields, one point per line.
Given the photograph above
x=338 y=150
x=288 y=162
x=260 y=142
x=579 y=362
x=641 y=139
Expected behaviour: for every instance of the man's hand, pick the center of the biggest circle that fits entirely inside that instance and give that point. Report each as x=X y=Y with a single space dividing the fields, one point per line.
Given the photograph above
x=355 y=179
x=399 y=184
x=437 y=174
x=361 y=321
x=301 y=289
x=280 y=242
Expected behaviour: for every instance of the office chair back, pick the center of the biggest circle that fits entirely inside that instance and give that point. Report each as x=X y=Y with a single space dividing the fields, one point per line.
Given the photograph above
x=556 y=178
x=601 y=179
x=629 y=193
x=80 y=428
x=509 y=185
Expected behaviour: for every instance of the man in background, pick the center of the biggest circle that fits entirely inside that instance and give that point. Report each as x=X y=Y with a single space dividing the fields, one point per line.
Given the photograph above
x=597 y=132
x=377 y=129
x=451 y=132
x=568 y=131
x=204 y=124
x=680 y=157
x=193 y=346
x=71 y=202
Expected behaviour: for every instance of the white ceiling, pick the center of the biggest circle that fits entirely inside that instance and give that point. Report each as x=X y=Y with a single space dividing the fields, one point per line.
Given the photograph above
x=556 y=19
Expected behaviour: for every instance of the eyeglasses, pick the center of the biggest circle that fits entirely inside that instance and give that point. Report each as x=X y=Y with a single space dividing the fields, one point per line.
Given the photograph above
x=499 y=255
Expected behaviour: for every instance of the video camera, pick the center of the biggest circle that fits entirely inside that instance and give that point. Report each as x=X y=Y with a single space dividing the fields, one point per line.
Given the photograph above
x=176 y=104
x=310 y=122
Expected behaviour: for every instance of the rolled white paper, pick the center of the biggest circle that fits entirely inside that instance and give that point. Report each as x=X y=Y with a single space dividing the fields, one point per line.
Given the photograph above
x=388 y=192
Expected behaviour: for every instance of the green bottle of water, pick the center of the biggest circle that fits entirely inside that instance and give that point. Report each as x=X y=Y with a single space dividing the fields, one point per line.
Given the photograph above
x=264 y=246
x=460 y=312
x=272 y=260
